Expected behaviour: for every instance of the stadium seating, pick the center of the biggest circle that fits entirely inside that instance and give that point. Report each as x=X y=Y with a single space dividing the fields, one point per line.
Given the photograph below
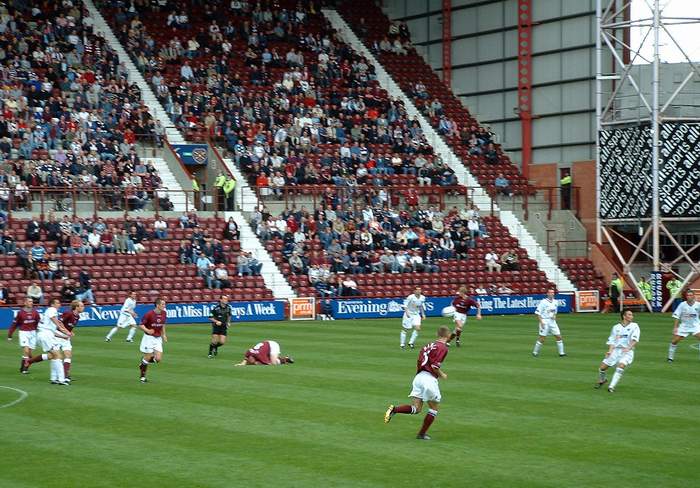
x=583 y=274
x=154 y=272
x=410 y=69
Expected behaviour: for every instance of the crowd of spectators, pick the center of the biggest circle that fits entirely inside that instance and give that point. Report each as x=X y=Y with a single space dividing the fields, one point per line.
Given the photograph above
x=341 y=240
x=68 y=116
x=300 y=108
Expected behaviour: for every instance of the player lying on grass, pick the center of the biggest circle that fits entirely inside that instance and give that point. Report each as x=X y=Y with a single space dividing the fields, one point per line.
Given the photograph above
x=265 y=353
x=425 y=386
x=624 y=337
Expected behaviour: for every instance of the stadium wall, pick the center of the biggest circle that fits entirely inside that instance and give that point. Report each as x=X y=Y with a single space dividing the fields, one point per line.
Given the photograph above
x=484 y=68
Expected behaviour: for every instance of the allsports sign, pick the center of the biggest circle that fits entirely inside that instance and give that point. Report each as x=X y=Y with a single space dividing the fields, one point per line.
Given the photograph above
x=490 y=305
x=178 y=313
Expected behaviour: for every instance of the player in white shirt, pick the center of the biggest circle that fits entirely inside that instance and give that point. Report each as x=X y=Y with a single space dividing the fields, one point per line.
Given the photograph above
x=624 y=337
x=49 y=332
x=547 y=313
x=127 y=318
x=687 y=322
x=414 y=311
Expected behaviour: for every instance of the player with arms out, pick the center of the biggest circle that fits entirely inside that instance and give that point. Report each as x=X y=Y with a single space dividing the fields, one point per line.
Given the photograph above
x=687 y=315
x=220 y=318
x=624 y=337
x=153 y=327
x=425 y=384
x=69 y=319
x=26 y=321
x=462 y=303
x=265 y=353
x=49 y=328
x=547 y=314
x=414 y=311
x=127 y=318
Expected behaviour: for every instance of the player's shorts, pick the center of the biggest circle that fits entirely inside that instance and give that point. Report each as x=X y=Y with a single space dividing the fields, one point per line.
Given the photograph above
x=686 y=330
x=425 y=387
x=460 y=317
x=274 y=348
x=617 y=356
x=27 y=338
x=150 y=344
x=126 y=320
x=219 y=330
x=47 y=340
x=411 y=321
x=549 y=327
x=64 y=344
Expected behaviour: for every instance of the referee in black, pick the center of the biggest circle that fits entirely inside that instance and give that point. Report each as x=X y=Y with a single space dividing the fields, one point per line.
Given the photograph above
x=220 y=317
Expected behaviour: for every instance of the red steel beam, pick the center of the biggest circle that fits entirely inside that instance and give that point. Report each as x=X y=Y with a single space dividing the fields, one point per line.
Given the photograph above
x=447 y=42
x=525 y=81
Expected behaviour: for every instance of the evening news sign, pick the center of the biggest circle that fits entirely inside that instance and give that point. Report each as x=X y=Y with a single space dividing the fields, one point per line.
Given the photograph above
x=490 y=305
x=178 y=313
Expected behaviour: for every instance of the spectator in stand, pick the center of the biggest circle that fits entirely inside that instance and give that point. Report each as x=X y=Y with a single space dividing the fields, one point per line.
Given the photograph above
x=504 y=290
x=296 y=264
x=33 y=230
x=231 y=230
x=347 y=286
x=243 y=264
x=184 y=253
x=7 y=243
x=502 y=185
x=491 y=260
x=93 y=239
x=160 y=228
x=509 y=261
x=4 y=295
x=490 y=154
x=69 y=291
x=38 y=252
x=222 y=277
x=85 y=293
x=254 y=265
x=35 y=292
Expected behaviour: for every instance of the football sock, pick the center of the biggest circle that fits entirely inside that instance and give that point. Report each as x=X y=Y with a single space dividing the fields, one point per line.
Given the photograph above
x=452 y=336
x=112 y=332
x=414 y=336
x=536 y=350
x=39 y=358
x=143 y=367
x=211 y=348
x=403 y=337
x=560 y=347
x=132 y=333
x=24 y=358
x=602 y=373
x=52 y=370
x=57 y=370
x=66 y=366
x=427 y=421
x=409 y=409
x=672 y=350
x=458 y=333
x=616 y=377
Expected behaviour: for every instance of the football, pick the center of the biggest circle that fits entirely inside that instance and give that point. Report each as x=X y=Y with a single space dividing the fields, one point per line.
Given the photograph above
x=448 y=311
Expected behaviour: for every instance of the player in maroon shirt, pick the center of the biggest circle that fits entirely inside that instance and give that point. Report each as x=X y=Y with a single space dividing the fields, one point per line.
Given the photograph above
x=26 y=321
x=69 y=319
x=462 y=303
x=153 y=327
x=425 y=384
x=265 y=353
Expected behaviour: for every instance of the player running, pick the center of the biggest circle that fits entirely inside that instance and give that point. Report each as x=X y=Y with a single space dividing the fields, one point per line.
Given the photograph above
x=26 y=321
x=153 y=327
x=49 y=329
x=414 y=311
x=462 y=303
x=265 y=353
x=69 y=319
x=127 y=318
x=624 y=337
x=547 y=313
x=425 y=383
x=220 y=318
x=687 y=315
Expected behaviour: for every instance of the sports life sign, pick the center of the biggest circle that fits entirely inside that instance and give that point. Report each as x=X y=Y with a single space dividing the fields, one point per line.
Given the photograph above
x=625 y=171
x=192 y=154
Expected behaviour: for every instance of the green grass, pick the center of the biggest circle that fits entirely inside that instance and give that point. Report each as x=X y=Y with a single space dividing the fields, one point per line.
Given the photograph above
x=507 y=418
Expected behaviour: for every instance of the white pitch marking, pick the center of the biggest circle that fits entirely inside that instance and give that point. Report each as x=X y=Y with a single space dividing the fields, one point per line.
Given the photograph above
x=22 y=396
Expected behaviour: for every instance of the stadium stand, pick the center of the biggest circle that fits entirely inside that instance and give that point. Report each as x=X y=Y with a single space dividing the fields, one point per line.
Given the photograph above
x=157 y=269
x=583 y=274
x=390 y=42
x=69 y=117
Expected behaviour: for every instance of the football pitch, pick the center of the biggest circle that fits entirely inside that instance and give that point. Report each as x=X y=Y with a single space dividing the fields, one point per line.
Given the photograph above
x=507 y=419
